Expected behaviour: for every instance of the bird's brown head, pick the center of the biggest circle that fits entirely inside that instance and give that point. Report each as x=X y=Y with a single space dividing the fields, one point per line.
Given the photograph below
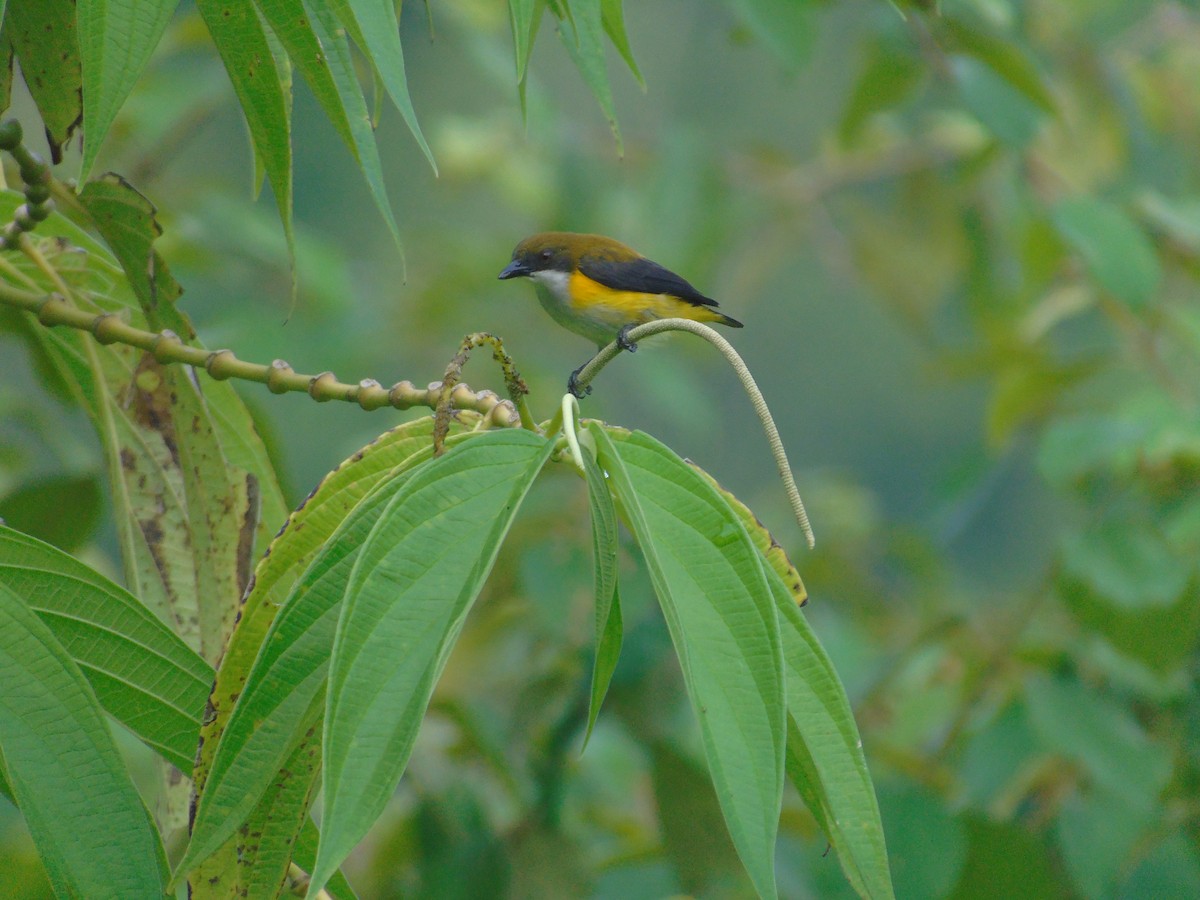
x=562 y=251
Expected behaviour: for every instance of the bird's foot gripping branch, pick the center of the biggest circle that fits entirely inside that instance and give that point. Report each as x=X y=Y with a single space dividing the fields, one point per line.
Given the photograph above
x=311 y=671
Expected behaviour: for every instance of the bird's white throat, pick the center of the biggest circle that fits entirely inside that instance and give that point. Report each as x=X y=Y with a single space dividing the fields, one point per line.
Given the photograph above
x=554 y=281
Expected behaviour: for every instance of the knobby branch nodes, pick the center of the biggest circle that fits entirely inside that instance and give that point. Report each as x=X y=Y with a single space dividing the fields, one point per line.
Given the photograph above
x=593 y=367
x=59 y=308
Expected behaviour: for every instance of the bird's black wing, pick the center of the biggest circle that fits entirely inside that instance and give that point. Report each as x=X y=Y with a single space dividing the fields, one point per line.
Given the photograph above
x=642 y=275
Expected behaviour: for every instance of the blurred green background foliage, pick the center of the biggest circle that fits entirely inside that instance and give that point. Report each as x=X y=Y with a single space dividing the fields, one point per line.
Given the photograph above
x=965 y=243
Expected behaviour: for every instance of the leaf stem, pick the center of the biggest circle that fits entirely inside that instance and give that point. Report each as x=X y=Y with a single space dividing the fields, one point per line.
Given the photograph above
x=607 y=354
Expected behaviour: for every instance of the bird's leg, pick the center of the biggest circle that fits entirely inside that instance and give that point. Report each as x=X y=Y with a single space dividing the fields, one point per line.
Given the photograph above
x=623 y=340
x=573 y=383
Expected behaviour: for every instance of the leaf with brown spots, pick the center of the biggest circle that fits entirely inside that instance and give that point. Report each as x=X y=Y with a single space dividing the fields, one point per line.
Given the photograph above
x=44 y=38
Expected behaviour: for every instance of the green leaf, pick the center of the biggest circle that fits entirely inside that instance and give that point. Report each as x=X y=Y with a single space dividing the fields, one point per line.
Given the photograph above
x=1003 y=56
x=92 y=832
x=6 y=63
x=140 y=671
x=1116 y=252
x=773 y=554
x=1001 y=108
x=689 y=818
x=890 y=75
x=44 y=39
x=115 y=42
x=524 y=16
x=608 y=601
x=308 y=532
x=613 y=15
x=126 y=221
x=373 y=25
x=264 y=90
x=1097 y=833
x=1123 y=580
x=415 y=579
x=824 y=753
x=711 y=585
x=1128 y=564
x=581 y=32
x=788 y=28
x=317 y=46
x=184 y=511
x=1102 y=736
x=256 y=861
x=275 y=708
x=36 y=508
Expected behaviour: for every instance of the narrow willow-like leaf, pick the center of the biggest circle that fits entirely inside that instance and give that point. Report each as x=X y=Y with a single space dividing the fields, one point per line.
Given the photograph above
x=582 y=34
x=263 y=88
x=373 y=25
x=608 y=602
x=92 y=832
x=613 y=13
x=140 y=671
x=317 y=46
x=115 y=42
x=824 y=753
x=711 y=585
x=521 y=14
x=413 y=583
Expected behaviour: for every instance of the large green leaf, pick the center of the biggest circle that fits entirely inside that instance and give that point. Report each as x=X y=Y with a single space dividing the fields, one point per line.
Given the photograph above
x=710 y=581
x=185 y=507
x=92 y=832
x=307 y=533
x=274 y=710
x=116 y=38
x=413 y=583
x=140 y=671
x=824 y=753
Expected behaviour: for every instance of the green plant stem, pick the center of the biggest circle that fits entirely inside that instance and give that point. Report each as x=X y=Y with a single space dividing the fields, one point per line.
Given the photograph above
x=167 y=347
x=607 y=354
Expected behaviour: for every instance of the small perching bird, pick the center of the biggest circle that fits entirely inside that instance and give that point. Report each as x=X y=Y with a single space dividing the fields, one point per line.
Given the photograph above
x=600 y=288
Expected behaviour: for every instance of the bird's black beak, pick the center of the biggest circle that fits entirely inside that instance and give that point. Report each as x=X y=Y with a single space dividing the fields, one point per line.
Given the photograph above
x=515 y=269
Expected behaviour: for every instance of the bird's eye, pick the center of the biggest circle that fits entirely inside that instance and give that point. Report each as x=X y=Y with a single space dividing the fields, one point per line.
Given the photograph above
x=546 y=254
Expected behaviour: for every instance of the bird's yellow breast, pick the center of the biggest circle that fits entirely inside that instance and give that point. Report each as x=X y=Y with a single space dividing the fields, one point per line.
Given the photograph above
x=592 y=299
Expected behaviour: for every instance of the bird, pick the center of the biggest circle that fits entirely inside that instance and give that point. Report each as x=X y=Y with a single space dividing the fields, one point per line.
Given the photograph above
x=599 y=288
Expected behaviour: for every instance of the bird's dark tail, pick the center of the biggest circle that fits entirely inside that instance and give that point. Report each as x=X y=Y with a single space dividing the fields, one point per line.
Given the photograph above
x=728 y=320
